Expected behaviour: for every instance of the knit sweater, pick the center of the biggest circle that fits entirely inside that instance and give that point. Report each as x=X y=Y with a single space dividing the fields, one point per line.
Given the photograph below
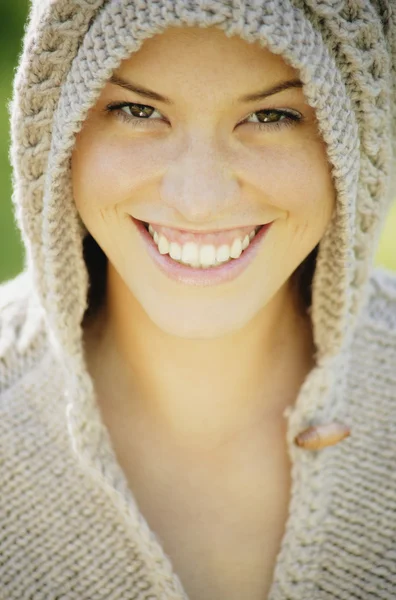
x=67 y=533
x=70 y=526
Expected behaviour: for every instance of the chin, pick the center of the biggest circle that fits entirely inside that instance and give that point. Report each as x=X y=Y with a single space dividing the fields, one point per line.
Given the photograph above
x=205 y=321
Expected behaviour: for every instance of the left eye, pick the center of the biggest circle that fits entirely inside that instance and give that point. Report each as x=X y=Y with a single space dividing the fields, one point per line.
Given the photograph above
x=278 y=114
x=141 y=113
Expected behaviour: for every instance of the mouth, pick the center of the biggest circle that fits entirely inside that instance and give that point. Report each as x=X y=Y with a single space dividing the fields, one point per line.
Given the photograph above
x=202 y=264
x=202 y=249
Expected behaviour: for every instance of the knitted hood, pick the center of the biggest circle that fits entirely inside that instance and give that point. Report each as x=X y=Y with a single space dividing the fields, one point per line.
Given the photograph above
x=345 y=53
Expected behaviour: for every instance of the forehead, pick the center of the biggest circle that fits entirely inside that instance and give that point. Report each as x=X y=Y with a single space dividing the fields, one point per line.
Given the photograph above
x=209 y=52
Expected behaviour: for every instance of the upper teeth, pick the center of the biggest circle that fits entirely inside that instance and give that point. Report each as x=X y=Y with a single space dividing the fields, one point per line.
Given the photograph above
x=197 y=255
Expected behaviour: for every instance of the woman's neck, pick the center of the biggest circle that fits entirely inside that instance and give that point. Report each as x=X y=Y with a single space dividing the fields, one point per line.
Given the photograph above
x=199 y=393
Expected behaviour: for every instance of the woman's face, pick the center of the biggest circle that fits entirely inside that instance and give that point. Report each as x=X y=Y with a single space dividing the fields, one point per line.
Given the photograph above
x=204 y=161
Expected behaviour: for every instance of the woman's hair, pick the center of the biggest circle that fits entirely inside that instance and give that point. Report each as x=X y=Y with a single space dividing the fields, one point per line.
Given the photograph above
x=96 y=262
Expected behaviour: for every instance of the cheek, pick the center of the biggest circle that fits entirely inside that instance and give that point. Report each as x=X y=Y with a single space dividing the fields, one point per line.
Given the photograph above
x=298 y=181
x=105 y=173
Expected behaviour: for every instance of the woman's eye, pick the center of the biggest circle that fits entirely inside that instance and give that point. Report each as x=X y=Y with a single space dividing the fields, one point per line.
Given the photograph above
x=132 y=112
x=274 y=118
x=139 y=114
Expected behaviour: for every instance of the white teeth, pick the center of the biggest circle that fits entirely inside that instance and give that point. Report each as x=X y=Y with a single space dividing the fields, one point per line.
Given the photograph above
x=189 y=253
x=207 y=255
x=236 y=248
x=175 y=251
x=163 y=245
x=201 y=256
x=223 y=253
x=245 y=242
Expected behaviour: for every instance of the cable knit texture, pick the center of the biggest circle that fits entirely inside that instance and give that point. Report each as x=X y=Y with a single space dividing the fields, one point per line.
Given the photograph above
x=70 y=527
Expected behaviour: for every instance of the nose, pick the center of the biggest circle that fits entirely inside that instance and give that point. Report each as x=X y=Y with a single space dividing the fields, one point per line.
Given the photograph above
x=199 y=183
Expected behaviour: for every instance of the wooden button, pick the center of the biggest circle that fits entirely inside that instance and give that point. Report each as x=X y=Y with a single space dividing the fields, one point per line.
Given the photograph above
x=320 y=436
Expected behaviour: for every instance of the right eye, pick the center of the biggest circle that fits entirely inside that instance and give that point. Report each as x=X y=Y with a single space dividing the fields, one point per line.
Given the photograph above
x=132 y=112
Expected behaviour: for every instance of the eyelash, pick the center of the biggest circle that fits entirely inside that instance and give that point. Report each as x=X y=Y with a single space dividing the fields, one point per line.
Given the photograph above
x=290 y=118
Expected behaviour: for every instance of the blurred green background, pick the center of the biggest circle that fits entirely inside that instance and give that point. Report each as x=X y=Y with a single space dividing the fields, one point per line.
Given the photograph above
x=13 y=15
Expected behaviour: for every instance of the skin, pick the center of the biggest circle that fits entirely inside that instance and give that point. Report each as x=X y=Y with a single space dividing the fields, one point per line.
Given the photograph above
x=192 y=380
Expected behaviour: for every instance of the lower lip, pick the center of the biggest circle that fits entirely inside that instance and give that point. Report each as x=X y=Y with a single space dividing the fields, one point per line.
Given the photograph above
x=201 y=277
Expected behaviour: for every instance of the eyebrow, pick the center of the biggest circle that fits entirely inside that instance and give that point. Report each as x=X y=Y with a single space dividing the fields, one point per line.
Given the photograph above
x=142 y=91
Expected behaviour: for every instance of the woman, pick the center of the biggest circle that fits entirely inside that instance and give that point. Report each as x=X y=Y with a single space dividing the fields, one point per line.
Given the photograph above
x=198 y=361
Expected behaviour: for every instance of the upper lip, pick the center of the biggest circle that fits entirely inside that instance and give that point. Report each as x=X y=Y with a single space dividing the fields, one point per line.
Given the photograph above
x=187 y=230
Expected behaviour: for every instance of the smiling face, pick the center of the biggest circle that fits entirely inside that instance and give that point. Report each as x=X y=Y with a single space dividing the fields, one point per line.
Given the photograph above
x=199 y=158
